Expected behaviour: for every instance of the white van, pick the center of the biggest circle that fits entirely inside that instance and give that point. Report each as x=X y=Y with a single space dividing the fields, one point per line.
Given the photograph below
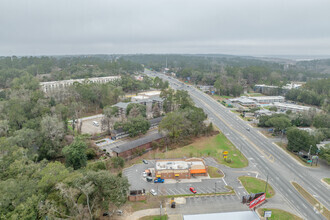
x=95 y=123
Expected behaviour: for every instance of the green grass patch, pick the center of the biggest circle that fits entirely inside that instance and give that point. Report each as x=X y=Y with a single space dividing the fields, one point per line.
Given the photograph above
x=279 y=214
x=327 y=180
x=254 y=185
x=212 y=146
x=154 y=217
x=323 y=210
x=215 y=172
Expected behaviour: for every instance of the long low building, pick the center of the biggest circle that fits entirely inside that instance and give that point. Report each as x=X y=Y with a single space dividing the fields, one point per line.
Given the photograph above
x=51 y=86
x=134 y=148
x=267 y=99
x=294 y=108
x=180 y=169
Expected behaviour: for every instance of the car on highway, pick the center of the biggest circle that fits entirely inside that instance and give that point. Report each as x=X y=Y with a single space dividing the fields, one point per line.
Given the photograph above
x=159 y=180
x=192 y=189
x=248 y=129
x=145 y=161
x=153 y=192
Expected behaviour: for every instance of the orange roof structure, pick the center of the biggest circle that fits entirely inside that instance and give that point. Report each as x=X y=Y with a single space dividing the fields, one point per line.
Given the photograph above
x=198 y=171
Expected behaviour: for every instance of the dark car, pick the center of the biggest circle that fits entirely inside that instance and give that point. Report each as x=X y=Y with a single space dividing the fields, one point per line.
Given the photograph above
x=145 y=162
x=192 y=190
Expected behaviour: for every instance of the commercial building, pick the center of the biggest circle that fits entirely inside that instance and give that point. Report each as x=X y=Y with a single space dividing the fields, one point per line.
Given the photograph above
x=242 y=215
x=244 y=101
x=180 y=169
x=267 y=99
x=276 y=90
x=294 y=108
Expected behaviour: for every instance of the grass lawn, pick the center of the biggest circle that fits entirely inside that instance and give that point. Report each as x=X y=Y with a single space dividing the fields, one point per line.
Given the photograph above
x=154 y=217
x=279 y=214
x=254 y=185
x=215 y=172
x=325 y=212
x=327 y=180
x=208 y=147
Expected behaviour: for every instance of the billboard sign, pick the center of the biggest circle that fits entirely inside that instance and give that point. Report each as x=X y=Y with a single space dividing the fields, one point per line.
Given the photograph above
x=257 y=201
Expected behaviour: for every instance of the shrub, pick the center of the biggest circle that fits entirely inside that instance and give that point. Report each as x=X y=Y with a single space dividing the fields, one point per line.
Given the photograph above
x=90 y=153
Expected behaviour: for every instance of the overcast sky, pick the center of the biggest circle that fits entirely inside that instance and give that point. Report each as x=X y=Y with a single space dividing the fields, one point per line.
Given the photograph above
x=247 y=27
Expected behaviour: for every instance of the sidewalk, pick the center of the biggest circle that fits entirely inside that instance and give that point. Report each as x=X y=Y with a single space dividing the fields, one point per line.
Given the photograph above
x=146 y=212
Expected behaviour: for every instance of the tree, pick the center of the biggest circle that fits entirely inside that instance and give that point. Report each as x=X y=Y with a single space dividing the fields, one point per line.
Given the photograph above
x=273 y=108
x=279 y=123
x=118 y=162
x=155 y=110
x=136 y=126
x=52 y=131
x=168 y=96
x=4 y=127
x=218 y=85
x=175 y=125
x=325 y=153
x=75 y=154
x=109 y=118
x=182 y=99
x=300 y=140
x=139 y=109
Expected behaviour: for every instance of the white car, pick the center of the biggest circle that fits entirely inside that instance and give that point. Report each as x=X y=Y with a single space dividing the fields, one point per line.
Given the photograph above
x=144 y=174
x=153 y=192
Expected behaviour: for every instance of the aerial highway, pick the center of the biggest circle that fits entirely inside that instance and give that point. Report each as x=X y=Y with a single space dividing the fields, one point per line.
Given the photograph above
x=270 y=159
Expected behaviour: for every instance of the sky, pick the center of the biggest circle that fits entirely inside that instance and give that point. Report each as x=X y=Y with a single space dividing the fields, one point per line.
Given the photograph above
x=239 y=27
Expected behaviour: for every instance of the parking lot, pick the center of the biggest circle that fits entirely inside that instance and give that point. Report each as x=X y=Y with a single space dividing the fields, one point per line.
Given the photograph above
x=89 y=128
x=171 y=187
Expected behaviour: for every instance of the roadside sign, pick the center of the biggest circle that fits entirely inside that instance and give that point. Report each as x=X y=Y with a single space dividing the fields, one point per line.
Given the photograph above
x=309 y=161
x=268 y=214
x=225 y=156
x=257 y=201
x=225 y=152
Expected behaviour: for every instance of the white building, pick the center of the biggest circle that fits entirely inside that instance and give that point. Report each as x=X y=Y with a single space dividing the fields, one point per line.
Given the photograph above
x=49 y=87
x=244 y=101
x=267 y=99
x=294 y=108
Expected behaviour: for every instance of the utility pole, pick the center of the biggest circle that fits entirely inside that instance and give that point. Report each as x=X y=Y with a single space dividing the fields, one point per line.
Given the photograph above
x=215 y=188
x=309 y=152
x=160 y=210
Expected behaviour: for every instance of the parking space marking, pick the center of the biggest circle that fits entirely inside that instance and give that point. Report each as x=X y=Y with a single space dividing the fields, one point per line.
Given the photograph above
x=171 y=191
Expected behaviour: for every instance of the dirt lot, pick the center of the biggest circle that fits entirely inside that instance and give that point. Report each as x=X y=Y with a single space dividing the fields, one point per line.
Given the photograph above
x=89 y=128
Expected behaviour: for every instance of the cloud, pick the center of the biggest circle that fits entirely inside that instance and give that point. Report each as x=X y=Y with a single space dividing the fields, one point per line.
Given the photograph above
x=36 y=27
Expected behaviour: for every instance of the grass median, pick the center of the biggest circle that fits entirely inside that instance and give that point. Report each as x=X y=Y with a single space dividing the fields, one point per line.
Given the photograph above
x=279 y=214
x=327 y=180
x=254 y=185
x=214 y=172
x=212 y=146
x=323 y=210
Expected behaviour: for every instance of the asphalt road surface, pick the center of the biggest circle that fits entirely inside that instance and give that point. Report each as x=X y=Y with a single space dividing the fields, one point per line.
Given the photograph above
x=270 y=159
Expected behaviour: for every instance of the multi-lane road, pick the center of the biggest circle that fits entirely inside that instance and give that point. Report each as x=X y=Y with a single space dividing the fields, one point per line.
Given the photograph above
x=270 y=159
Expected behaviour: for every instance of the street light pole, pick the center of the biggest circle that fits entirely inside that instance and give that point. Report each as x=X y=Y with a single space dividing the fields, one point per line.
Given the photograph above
x=266 y=185
x=215 y=188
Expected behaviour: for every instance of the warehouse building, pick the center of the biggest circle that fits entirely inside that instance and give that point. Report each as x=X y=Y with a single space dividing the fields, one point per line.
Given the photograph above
x=180 y=169
x=267 y=99
x=294 y=108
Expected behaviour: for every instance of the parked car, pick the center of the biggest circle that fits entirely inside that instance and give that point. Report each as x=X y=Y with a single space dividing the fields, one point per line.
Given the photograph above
x=248 y=129
x=144 y=174
x=153 y=192
x=159 y=180
x=149 y=179
x=95 y=123
x=145 y=161
x=192 y=190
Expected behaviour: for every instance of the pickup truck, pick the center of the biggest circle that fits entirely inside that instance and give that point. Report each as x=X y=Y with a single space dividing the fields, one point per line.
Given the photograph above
x=159 y=180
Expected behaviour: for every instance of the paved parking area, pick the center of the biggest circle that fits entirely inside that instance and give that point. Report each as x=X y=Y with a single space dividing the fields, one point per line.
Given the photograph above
x=135 y=178
x=89 y=128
